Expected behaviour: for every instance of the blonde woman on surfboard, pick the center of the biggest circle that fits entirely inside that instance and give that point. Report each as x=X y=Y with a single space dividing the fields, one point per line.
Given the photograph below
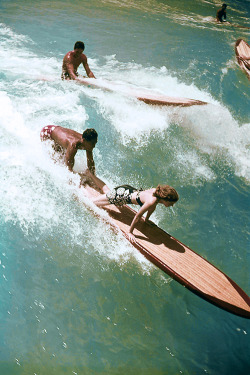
x=126 y=194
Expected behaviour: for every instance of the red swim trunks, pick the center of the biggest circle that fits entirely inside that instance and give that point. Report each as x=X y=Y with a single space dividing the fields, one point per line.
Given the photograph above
x=46 y=132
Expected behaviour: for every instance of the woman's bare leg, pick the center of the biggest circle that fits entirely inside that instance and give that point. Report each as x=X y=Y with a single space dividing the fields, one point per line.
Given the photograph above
x=101 y=201
x=99 y=183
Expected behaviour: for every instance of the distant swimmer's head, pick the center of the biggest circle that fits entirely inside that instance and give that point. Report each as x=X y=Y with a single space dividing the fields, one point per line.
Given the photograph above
x=79 y=45
x=90 y=135
x=166 y=193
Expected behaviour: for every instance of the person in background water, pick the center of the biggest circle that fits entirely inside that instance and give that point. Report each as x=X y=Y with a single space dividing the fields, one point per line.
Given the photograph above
x=221 y=13
x=126 y=194
x=71 y=62
x=68 y=142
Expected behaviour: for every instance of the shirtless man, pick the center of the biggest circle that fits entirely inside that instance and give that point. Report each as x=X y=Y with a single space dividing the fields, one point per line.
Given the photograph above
x=69 y=141
x=221 y=13
x=71 y=62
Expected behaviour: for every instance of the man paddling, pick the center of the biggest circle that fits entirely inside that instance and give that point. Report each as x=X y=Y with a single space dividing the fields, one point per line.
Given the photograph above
x=221 y=13
x=71 y=62
x=68 y=142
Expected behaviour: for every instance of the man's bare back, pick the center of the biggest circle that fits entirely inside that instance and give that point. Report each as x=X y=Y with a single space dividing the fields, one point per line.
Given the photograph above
x=70 y=142
x=72 y=61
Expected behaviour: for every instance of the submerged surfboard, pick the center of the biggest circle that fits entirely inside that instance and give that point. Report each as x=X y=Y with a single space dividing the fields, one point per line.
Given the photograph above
x=179 y=261
x=143 y=95
x=227 y=23
x=242 y=50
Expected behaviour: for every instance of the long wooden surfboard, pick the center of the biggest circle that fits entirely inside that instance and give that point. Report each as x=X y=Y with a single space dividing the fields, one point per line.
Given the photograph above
x=143 y=95
x=227 y=23
x=179 y=261
x=242 y=50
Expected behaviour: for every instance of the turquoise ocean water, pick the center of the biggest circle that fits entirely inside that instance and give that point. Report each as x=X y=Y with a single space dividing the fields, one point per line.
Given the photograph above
x=77 y=298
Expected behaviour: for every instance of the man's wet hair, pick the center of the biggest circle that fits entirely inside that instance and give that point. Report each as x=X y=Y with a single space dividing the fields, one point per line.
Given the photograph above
x=90 y=135
x=224 y=5
x=79 y=45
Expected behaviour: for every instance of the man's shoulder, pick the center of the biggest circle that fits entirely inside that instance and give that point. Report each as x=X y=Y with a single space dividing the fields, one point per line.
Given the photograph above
x=68 y=56
x=65 y=133
x=83 y=57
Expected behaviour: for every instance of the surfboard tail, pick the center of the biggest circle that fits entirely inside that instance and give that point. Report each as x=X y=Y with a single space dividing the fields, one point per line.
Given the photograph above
x=229 y=296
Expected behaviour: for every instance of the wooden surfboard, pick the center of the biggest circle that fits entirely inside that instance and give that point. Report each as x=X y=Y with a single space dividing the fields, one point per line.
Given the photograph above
x=143 y=95
x=242 y=49
x=227 y=23
x=179 y=261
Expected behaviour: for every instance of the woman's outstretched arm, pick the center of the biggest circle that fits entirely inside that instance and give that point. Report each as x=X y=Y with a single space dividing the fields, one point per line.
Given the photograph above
x=147 y=206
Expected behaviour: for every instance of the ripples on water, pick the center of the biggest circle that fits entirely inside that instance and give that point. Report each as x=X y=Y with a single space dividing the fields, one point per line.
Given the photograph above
x=76 y=297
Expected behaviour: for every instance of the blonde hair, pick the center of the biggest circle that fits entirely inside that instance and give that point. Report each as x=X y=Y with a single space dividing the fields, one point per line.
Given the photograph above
x=166 y=192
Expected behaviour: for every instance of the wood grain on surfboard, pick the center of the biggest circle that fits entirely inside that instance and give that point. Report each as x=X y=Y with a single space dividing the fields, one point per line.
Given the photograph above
x=179 y=261
x=242 y=50
x=143 y=95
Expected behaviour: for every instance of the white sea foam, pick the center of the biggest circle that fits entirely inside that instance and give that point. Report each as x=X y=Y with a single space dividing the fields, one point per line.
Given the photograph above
x=212 y=126
x=36 y=192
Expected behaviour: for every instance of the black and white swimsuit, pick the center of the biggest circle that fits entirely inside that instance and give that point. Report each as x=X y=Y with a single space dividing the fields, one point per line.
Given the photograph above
x=122 y=195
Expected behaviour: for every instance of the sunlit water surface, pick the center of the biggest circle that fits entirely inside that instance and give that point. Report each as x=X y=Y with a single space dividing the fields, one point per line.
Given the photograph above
x=76 y=297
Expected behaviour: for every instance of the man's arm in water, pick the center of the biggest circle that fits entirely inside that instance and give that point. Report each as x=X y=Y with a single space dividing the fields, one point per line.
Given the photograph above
x=71 y=71
x=90 y=162
x=90 y=74
x=70 y=157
